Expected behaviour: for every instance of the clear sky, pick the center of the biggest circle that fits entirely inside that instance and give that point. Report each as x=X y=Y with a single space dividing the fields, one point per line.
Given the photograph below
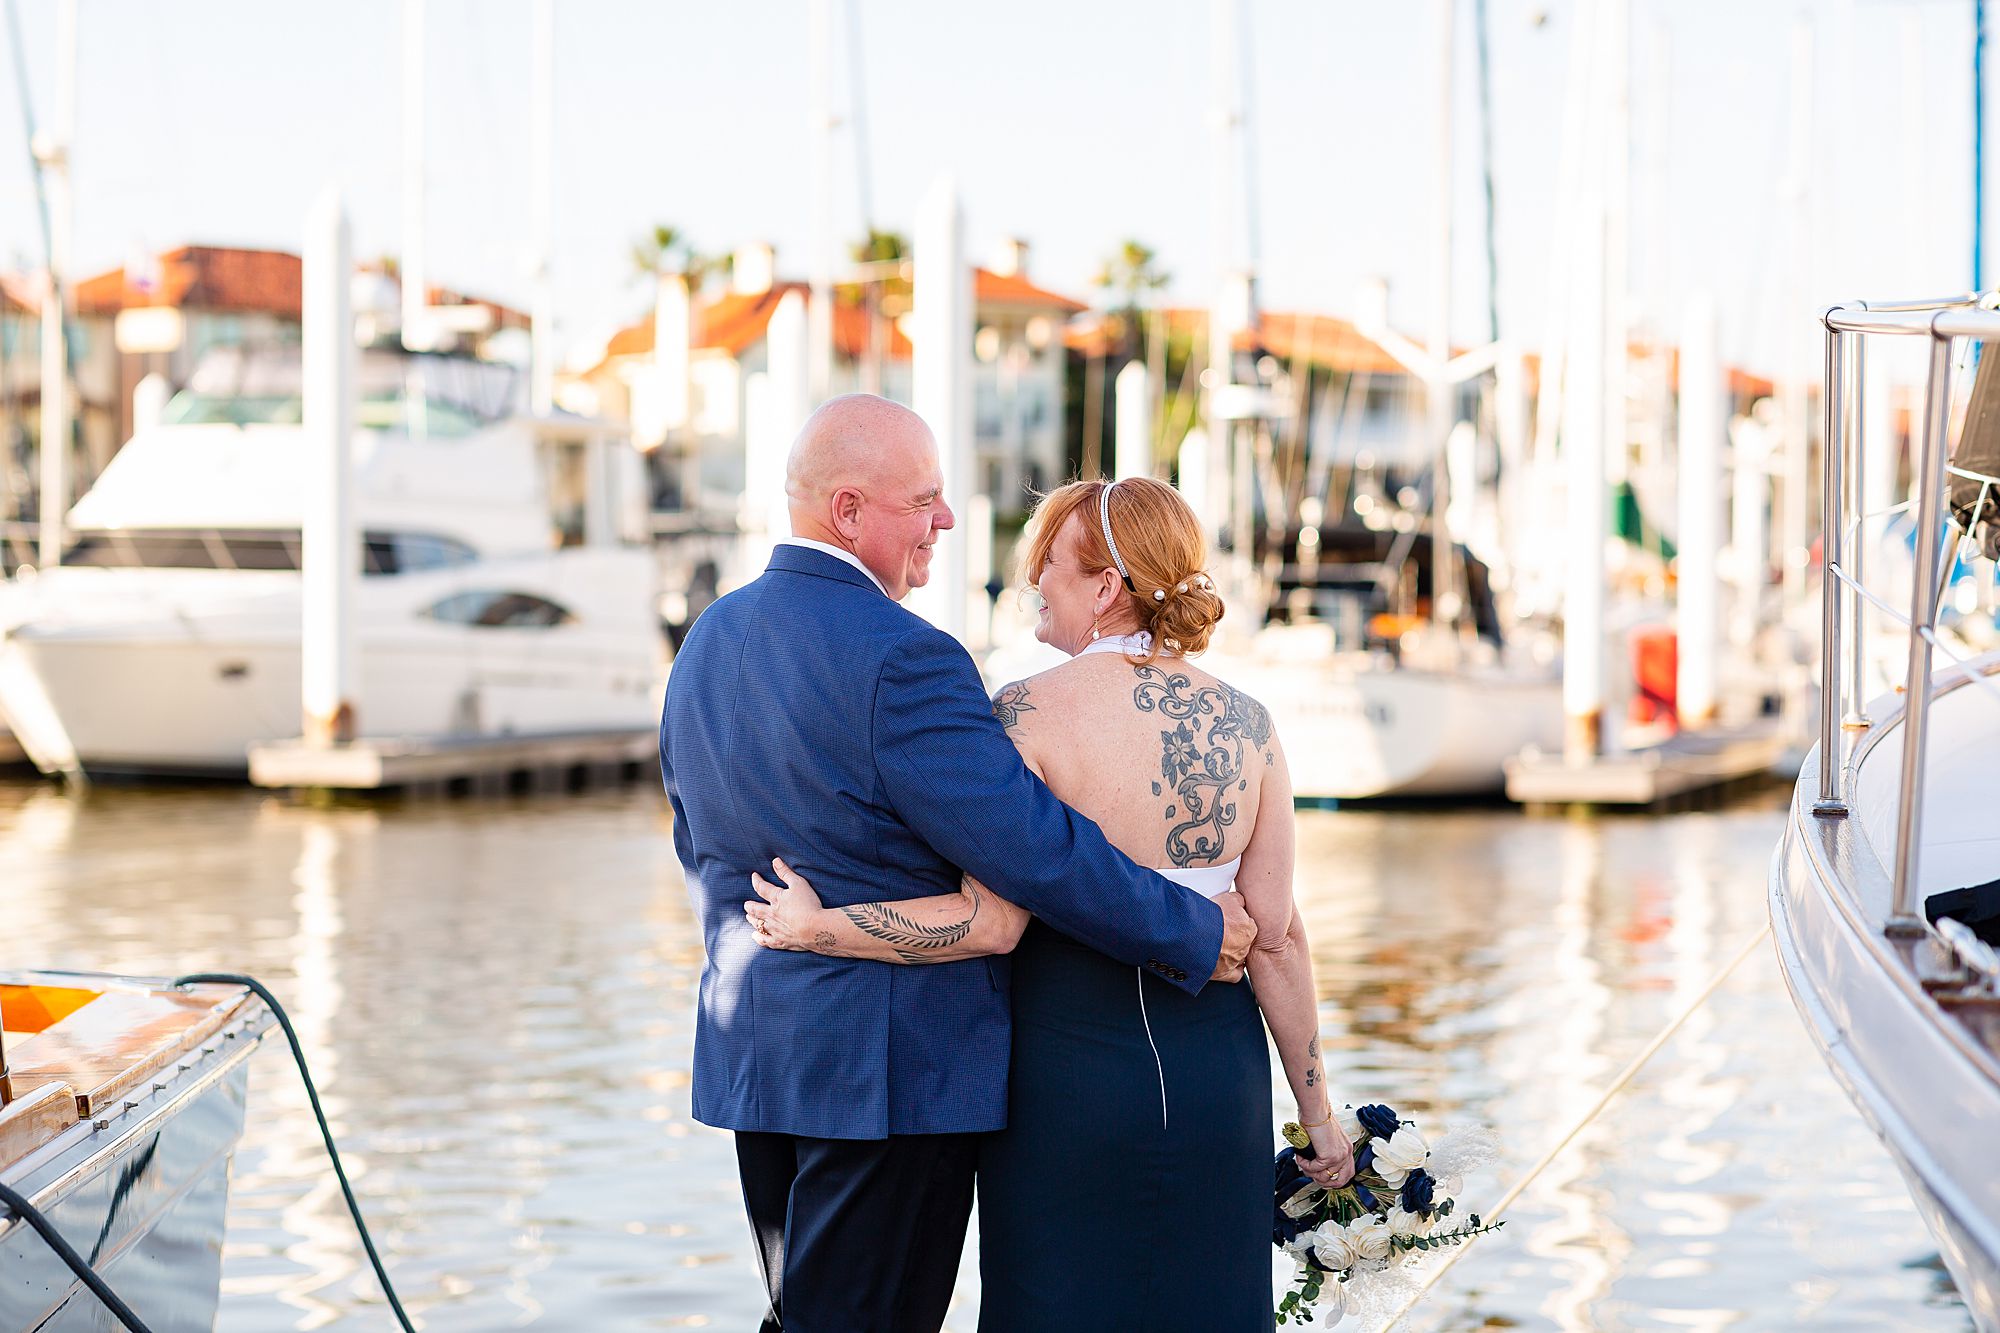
x=1072 y=124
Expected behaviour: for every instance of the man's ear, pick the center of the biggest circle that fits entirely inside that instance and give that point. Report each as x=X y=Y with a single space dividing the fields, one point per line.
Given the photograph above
x=846 y=508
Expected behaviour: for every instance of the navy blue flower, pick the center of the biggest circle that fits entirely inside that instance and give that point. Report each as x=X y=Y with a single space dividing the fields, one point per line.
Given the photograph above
x=1417 y=1188
x=1364 y=1160
x=1366 y=1197
x=1286 y=1163
x=1379 y=1121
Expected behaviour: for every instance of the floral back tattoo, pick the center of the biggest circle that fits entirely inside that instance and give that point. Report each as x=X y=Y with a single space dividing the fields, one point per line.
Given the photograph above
x=1202 y=756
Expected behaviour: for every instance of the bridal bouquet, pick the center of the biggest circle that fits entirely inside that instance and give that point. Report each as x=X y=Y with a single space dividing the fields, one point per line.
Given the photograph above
x=1397 y=1206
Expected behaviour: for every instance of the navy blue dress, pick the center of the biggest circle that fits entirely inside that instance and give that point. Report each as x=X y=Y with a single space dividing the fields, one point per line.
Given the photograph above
x=1099 y=1207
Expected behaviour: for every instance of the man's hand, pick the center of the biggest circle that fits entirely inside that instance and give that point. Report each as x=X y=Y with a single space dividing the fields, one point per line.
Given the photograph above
x=1239 y=932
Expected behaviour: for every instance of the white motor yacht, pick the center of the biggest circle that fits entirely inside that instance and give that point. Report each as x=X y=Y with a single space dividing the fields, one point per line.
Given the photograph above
x=508 y=589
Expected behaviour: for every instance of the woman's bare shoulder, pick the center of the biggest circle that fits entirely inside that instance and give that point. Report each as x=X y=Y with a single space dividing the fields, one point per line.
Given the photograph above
x=1036 y=694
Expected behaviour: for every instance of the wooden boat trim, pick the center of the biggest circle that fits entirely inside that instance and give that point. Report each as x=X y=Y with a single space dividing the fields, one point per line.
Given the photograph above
x=34 y=1118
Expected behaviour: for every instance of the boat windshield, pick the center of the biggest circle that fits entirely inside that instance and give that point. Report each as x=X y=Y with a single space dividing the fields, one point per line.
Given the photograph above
x=442 y=397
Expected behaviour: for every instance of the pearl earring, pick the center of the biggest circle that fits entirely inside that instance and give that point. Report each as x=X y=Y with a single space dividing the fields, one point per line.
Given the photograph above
x=1094 y=634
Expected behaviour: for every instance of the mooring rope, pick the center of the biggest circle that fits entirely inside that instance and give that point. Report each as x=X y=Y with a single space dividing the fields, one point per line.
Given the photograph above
x=1617 y=1085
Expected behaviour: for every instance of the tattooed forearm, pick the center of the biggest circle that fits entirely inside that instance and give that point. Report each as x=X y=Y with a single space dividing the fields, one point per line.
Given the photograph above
x=912 y=941
x=1010 y=703
x=1312 y=1062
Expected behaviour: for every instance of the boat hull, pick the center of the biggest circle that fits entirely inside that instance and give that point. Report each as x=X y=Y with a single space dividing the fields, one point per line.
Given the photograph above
x=1404 y=732
x=122 y=677
x=1921 y=1080
x=150 y=1219
x=138 y=1186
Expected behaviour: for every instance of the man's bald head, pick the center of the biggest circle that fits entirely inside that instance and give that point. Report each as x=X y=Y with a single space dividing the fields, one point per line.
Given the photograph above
x=856 y=439
x=863 y=476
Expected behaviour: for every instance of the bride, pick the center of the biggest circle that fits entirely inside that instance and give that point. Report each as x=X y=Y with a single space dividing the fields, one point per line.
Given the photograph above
x=1132 y=1185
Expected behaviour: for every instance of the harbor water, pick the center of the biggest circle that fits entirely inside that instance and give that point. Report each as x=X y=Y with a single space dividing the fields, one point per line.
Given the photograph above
x=497 y=1000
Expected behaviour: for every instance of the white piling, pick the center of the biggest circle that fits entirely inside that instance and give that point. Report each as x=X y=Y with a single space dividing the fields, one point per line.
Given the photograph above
x=1511 y=437
x=1584 y=473
x=977 y=520
x=1749 y=526
x=1882 y=453
x=330 y=545
x=1134 y=420
x=1703 y=422
x=149 y=402
x=941 y=383
x=1197 y=483
x=784 y=408
x=672 y=340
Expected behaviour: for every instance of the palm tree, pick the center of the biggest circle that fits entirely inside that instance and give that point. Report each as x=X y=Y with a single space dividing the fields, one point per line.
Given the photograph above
x=661 y=250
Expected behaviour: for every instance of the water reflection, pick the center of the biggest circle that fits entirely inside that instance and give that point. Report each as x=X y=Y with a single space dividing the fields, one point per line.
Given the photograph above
x=497 y=998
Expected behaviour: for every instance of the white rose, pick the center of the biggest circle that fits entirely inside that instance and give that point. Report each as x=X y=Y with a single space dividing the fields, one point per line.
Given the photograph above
x=1349 y=1123
x=1332 y=1245
x=1409 y=1224
x=1371 y=1238
x=1403 y=1152
x=1392 y=1176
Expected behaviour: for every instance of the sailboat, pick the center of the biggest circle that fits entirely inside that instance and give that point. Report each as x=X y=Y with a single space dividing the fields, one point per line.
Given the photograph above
x=1883 y=897
x=1437 y=708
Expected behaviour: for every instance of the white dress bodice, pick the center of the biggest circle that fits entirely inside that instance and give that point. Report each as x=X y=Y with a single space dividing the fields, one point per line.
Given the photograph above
x=1208 y=881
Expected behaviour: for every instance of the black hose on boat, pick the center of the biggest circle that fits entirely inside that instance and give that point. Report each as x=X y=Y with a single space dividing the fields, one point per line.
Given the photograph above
x=326 y=1134
x=85 y=1274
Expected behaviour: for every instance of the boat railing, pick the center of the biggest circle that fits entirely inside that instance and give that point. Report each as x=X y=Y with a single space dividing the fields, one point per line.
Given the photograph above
x=1945 y=321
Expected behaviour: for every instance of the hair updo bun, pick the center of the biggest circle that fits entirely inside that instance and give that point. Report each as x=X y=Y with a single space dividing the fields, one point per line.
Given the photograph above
x=1183 y=620
x=1162 y=546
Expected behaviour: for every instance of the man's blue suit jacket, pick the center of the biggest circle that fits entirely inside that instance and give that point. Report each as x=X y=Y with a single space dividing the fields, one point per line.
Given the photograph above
x=810 y=717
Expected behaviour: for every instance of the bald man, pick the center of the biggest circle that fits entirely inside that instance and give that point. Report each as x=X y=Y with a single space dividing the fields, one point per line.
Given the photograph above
x=810 y=716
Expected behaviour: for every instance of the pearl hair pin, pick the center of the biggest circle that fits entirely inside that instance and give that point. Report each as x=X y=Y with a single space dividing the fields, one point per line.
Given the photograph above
x=1159 y=594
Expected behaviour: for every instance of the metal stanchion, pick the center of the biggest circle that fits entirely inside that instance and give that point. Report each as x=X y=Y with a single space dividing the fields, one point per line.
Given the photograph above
x=1829 y=804
x=1903 y=921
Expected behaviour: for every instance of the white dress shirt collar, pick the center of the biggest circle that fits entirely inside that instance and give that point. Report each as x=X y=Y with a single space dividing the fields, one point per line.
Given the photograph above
x=838 y=553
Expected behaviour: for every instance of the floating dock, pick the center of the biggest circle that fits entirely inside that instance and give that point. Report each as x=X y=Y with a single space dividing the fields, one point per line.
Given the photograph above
x=1680 y=766
x=549 y=762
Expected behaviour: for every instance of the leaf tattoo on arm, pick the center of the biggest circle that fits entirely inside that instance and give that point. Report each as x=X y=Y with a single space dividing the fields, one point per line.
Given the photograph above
x=912 y=942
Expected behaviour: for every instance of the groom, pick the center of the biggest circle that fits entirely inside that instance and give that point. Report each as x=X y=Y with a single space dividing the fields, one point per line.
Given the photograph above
x=808 y=713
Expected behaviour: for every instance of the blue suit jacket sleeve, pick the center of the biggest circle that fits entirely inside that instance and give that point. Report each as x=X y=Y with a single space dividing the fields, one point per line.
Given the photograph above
x=955 y=778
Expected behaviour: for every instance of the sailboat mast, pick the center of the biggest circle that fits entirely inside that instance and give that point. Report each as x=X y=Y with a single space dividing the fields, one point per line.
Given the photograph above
x=1979 y=145
x=414 y=293
x=819 y=313
x=1446 y=600
x=53 y=155
x=543 y=319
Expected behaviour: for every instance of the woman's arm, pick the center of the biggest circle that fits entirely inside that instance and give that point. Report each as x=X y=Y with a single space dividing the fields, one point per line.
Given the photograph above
x=943 y=928
x=1281 y=971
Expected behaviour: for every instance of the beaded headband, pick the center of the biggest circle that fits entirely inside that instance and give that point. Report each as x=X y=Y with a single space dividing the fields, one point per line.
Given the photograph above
x=1104 y=521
